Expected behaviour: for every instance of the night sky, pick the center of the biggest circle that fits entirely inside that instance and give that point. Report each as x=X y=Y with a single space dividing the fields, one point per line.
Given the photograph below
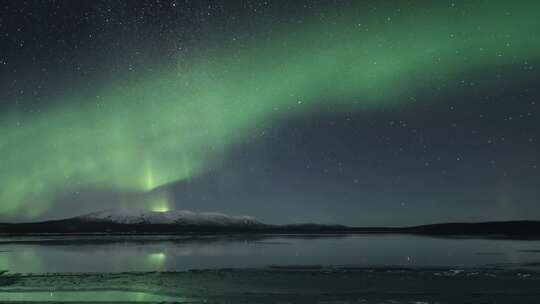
x=353 y=112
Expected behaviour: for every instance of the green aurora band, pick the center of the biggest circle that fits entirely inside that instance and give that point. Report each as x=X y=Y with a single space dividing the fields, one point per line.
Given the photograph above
x=179 y=122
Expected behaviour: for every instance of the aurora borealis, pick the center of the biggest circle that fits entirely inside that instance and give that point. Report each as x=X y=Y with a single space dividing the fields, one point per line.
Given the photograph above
x=135 y=133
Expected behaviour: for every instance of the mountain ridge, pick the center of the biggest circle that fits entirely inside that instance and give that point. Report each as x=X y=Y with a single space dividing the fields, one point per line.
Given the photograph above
x=178 y=217
x=116 y=221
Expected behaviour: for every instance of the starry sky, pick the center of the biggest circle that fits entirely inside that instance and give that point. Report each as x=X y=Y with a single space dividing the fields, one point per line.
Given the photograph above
x=354 y=112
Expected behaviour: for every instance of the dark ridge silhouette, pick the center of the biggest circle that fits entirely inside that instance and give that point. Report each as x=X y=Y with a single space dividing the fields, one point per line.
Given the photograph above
x=78 y=225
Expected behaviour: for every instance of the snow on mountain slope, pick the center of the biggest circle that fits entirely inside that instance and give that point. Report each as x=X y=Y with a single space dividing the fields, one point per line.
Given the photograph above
x=180 y=217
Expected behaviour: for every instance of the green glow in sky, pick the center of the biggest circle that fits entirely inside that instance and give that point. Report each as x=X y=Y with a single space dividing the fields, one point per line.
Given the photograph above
x=159 y=201
x=177 y=123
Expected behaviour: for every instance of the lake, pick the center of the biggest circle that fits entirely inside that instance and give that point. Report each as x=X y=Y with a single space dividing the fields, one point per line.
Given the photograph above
x=370 y=268
x=164 y=253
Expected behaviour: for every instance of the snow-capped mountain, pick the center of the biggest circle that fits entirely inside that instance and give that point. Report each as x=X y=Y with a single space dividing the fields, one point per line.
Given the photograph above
x=177 y=217
x=142 y=222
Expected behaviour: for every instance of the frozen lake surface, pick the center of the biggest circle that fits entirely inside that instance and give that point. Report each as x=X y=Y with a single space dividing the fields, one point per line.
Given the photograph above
x=270 y=269
x=173 y=253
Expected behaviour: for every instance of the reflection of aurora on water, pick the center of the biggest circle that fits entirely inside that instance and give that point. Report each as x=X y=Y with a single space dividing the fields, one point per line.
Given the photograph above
x=26 y=259
x=176 y=123
x=229 y=268
x=157 y=259
x=94 y=296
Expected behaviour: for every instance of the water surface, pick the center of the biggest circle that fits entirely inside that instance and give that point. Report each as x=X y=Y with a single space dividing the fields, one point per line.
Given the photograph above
x=169 y=253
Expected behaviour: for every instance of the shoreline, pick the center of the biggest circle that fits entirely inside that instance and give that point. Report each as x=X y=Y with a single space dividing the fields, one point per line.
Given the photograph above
x=297 y=284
